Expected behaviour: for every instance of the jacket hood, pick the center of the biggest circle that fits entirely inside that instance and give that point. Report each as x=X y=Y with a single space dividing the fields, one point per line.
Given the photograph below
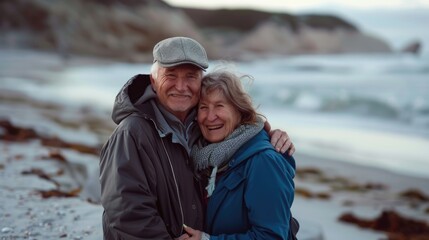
x=130 y=93
x=254 y=146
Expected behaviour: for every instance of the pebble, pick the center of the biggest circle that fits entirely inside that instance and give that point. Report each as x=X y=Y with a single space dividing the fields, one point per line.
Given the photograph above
x=6 y=230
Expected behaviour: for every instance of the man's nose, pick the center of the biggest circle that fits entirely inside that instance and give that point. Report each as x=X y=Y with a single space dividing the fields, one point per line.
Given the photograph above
x=181 y=84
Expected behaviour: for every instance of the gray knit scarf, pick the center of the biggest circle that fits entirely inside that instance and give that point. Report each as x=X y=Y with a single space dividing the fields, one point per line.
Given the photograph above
x=216 y=154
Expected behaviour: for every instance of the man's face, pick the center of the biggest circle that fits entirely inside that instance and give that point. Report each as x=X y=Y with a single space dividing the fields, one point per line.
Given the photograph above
x=178 y=88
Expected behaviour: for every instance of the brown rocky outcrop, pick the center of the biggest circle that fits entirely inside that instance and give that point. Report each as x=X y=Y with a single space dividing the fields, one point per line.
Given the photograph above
x=12 y=133
x=413 y=47
x=396 y=226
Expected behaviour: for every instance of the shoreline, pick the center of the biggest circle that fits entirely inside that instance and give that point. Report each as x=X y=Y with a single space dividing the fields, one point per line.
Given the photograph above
x=355 y=171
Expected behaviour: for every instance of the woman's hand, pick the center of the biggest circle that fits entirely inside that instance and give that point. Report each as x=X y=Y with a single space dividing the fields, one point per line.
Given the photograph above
x=192 y=233
x=183 y=237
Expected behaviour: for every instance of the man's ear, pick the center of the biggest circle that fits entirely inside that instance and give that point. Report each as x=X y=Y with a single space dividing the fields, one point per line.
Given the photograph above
x=152 y=80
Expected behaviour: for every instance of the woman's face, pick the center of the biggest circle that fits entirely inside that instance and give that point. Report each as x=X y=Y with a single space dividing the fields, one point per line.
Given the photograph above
x=217 y=117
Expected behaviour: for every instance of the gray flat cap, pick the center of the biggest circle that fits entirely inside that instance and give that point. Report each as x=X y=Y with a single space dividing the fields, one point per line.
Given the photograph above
x=174 y=51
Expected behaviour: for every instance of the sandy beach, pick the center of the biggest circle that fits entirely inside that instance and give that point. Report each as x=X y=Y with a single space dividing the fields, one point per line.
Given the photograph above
x=49 y=172
x=336 y=188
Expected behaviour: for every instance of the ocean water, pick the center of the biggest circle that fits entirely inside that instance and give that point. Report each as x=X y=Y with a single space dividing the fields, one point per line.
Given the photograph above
x=367 y=109
x=371 y=110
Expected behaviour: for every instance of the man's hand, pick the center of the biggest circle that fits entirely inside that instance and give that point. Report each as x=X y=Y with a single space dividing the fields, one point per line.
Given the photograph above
x=280 y=140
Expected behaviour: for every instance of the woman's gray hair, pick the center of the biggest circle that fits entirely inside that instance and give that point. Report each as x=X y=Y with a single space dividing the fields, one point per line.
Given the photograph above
x=230 y=85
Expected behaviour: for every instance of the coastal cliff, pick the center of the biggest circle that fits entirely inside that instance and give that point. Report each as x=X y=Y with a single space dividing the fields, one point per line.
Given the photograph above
x=127 y=30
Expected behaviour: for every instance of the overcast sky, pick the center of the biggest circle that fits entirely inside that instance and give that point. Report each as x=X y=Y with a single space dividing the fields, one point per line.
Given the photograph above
x=300 y=5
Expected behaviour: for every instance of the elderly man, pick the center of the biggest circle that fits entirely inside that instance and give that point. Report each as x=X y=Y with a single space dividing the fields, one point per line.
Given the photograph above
x=148 y=189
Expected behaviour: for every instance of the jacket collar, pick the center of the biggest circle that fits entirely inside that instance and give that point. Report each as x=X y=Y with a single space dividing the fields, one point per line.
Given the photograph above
x=253 y=146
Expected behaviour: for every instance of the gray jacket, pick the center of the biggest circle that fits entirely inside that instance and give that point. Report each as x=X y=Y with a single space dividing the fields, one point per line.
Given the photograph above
x=148 y=189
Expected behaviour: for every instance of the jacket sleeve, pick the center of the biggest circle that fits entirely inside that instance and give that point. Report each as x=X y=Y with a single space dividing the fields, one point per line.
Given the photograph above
x=127 y=192
x=268 y=198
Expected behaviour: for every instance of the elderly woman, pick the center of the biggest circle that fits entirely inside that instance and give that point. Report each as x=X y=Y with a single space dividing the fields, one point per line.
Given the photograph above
x=250 y=189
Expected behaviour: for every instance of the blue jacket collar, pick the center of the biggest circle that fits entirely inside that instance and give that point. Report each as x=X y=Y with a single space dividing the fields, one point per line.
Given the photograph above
x=253 y=146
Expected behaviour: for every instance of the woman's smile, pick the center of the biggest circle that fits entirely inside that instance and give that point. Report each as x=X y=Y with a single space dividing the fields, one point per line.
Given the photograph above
x=217 y=117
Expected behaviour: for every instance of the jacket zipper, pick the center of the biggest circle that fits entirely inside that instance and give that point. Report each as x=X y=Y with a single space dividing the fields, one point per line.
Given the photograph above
x=175 y=182
x=174 y=176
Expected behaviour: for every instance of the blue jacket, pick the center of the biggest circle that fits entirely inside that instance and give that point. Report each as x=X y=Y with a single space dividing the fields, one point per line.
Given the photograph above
x=252 y=199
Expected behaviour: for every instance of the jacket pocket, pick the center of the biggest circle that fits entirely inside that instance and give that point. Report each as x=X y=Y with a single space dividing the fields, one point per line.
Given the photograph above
x=233 y=180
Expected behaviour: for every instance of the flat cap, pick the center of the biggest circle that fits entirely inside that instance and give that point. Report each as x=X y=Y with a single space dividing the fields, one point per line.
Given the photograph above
x=175 y=51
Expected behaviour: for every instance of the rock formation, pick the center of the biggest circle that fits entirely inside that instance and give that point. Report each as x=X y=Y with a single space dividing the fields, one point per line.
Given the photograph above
x=128 y=29
x=413 y=47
